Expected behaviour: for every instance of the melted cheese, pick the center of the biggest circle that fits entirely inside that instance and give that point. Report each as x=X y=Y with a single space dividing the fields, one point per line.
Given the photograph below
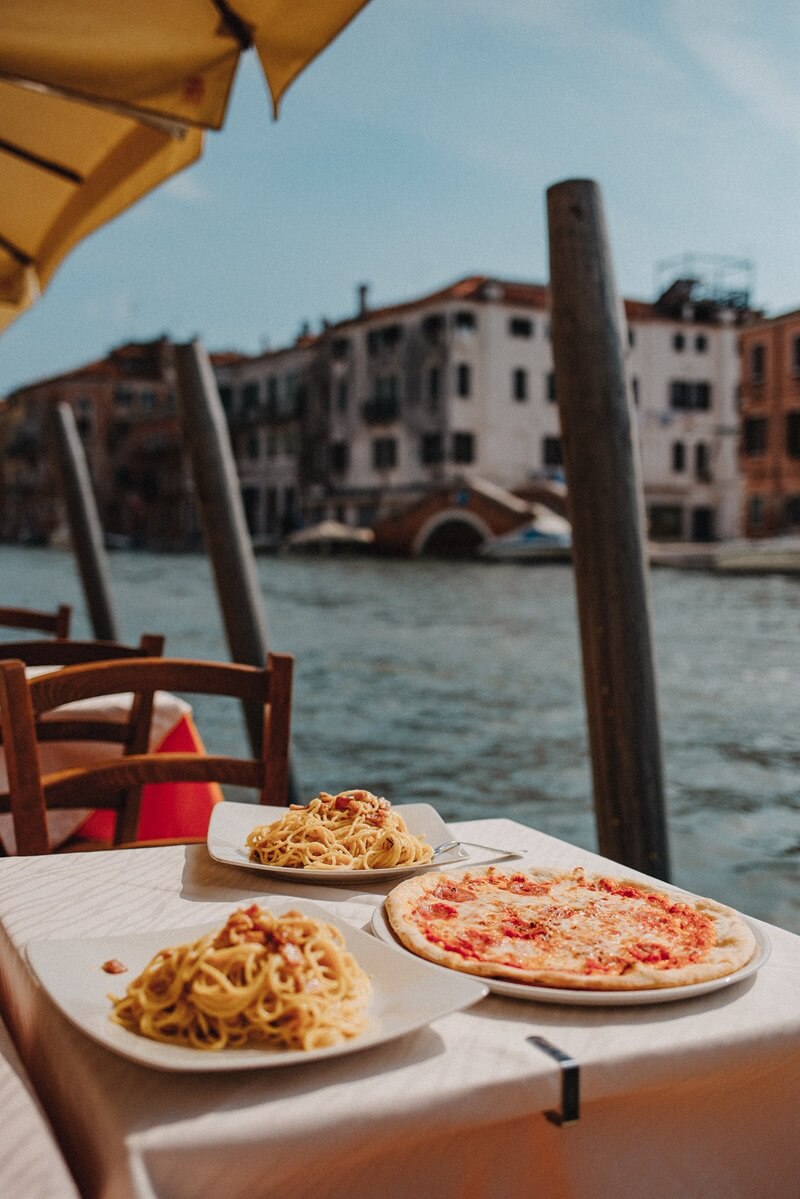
x=566 y=924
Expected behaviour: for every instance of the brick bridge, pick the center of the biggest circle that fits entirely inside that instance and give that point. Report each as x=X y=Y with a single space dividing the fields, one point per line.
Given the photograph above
x=455 y=520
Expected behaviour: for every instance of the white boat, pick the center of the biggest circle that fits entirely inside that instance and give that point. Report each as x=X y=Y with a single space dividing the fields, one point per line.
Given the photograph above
x=546 y=538
x=330 y=536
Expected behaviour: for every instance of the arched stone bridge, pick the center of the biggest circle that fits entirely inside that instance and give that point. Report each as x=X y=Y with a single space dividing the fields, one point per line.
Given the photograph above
x=456 y=519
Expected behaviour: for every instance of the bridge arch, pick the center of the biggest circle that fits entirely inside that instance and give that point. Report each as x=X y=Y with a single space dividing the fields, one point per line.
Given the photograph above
x=453 y=531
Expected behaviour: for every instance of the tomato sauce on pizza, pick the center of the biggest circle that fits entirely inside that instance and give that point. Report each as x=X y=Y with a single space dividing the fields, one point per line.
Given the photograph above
x=568 y=929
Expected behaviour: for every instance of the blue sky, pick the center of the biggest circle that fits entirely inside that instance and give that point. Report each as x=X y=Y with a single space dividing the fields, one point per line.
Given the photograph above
x=418 y=148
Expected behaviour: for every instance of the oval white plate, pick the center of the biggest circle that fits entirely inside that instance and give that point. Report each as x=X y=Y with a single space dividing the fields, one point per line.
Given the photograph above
x=231 y=822
x=529 y=991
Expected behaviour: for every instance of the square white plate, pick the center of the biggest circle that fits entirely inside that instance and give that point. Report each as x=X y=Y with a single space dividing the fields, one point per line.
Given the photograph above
x=407 y=993
x=231 y=822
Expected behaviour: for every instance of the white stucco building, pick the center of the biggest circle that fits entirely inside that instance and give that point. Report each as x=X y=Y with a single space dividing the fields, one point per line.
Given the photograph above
x=374 y=410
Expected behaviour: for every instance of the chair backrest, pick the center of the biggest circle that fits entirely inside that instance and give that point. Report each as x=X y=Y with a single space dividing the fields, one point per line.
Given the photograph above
x=57 y=623
x=116 y=784
x=133 y=734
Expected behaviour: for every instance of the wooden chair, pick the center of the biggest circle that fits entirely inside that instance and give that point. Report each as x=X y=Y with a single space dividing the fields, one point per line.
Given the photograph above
x=57 y=623
x=66 y=652
x=116 y=784
x=131 y=735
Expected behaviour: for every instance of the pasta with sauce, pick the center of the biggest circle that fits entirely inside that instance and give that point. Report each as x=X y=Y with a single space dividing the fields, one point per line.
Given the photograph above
x=353 y=830
x=262 y=980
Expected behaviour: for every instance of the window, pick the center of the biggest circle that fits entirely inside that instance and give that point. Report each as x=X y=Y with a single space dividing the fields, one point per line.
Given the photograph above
x=339 y=456
x=384 y=453
x=342 y=395
x=631 y=337
x=225 y=397
x=464 y=380
x=793 y=434
x=551 y=452
x=465 y=319
x=796 y=355
x=689 y=397
x=550 y=386
x=520 y=326
x=678 y=342
x=678 y=457
x=463 y=447
x=701 y=343
x=519 y=384
x=754 y=436
x=272 y=509
x=433 y=326
x=758 y=357
x=249 y=397
x=434 y=387
x=666 y=522
x=635 y=390
x=340 y=348
x=791 y=510
x=253 y=446
x=755 y=511
x=702 y=467
x=431 y=449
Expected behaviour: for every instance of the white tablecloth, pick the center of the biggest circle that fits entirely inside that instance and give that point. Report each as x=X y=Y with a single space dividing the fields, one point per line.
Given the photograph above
x=31 y=1164
x=692 y=1098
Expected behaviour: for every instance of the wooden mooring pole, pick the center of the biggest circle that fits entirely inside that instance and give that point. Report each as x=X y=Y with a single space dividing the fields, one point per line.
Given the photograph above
x=222 y=517
x=83 y=519
x=605 y=498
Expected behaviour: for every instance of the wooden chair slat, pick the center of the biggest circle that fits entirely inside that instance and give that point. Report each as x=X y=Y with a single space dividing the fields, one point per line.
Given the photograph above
x=57 y=623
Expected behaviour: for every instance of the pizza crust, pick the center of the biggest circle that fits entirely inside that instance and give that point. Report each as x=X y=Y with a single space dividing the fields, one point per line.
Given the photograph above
x=579 y=927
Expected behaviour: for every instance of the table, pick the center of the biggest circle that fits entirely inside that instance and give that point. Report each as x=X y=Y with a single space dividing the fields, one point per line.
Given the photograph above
x=693 y=1098
x=30 y=1163
x=167 y=809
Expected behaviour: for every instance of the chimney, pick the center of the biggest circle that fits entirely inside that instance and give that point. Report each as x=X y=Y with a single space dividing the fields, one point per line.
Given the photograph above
x=363 y=292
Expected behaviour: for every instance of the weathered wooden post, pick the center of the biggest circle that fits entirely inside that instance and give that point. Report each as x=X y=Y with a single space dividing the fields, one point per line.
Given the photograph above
x=86 y=533
x=222 y=518
x=605 y=499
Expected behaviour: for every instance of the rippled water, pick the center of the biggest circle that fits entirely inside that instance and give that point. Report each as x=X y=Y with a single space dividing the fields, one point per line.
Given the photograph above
x=460 y=684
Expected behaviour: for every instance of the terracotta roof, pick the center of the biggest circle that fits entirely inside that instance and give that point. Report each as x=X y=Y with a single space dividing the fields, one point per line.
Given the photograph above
x=483 y=289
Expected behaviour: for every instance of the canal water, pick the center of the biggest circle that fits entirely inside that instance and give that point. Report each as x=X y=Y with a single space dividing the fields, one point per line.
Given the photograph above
x=460 y=684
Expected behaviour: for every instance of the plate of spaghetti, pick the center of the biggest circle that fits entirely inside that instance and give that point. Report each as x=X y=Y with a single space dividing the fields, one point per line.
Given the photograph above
x=331 y=838
x=259 y=987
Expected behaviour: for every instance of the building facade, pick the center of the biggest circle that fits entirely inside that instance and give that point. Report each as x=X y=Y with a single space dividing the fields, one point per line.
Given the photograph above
x=125 y=412
x=366 y=417
x=770 y=414
x=460 y=382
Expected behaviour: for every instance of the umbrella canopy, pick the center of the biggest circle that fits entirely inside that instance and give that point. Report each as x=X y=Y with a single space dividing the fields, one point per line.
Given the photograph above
x=102 y=100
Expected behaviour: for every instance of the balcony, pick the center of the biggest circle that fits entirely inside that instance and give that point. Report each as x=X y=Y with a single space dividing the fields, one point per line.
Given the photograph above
x=381 y=410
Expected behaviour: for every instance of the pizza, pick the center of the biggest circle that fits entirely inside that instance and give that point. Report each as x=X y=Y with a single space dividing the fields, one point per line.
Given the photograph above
x=556 y=928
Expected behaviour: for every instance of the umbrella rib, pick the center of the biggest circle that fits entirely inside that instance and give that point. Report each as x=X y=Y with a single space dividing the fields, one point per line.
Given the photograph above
x=46 y=164
x=18 y=255
x=235 y=24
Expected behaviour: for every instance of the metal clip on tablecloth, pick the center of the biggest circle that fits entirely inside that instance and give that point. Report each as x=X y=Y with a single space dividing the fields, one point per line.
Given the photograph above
x=570 y=1083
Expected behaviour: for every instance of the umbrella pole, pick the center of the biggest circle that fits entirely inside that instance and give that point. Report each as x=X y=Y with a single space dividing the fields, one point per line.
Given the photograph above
x=86 y=533
x=606 y=509
x=222 y=517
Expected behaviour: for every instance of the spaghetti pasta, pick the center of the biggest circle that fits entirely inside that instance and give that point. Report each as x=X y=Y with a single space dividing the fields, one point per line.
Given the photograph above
x=263 y=980
x=353 y=830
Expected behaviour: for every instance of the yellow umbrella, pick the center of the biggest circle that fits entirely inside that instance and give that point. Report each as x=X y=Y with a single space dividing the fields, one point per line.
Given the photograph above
x=102 y=100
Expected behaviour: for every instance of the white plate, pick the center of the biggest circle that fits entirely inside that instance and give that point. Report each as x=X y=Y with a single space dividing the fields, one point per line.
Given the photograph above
x=231 y=822
x=407 y=993
x=502 y=986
